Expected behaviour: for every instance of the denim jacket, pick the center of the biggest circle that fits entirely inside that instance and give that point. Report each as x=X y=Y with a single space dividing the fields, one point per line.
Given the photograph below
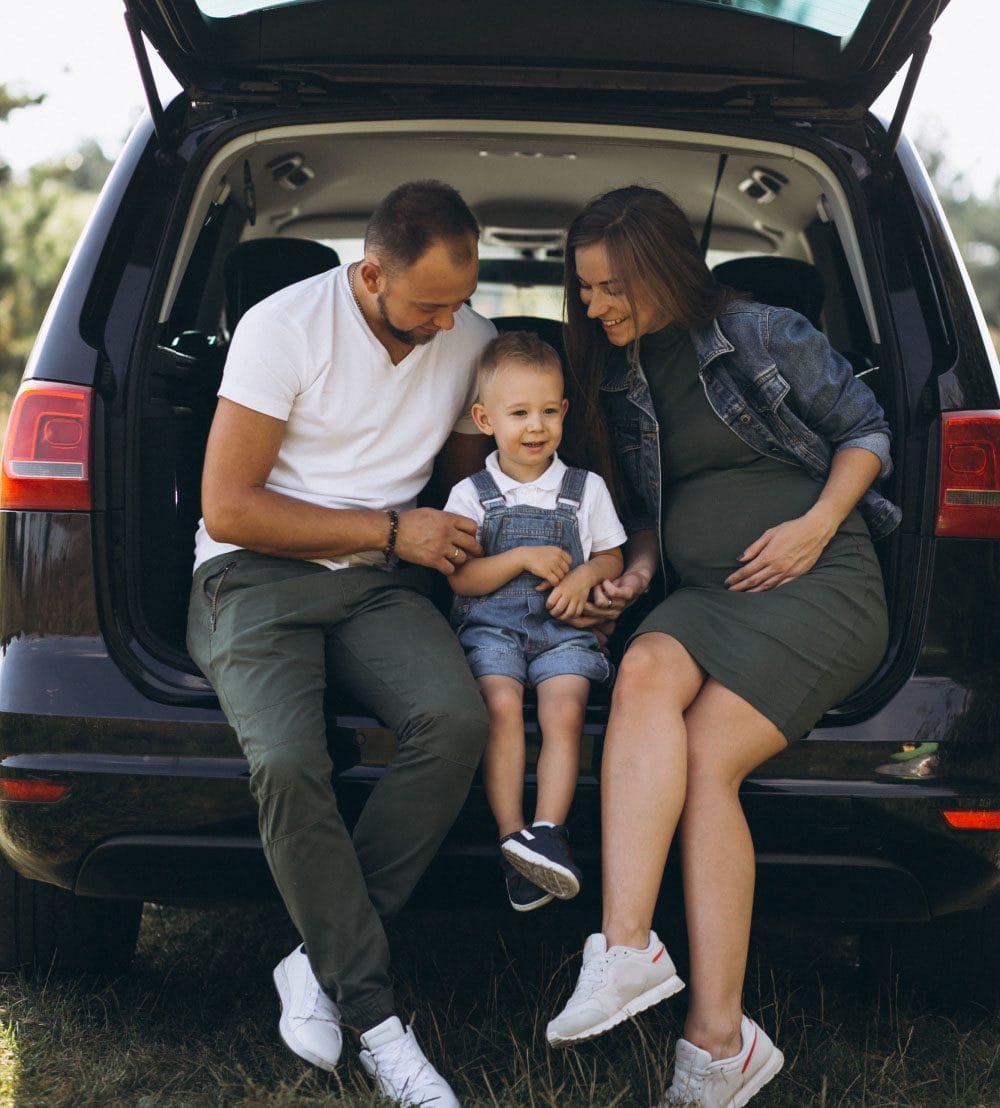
x=775 y=380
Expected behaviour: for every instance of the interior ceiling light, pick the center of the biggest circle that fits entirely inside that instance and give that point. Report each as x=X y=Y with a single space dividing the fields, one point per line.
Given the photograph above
x=763 y=184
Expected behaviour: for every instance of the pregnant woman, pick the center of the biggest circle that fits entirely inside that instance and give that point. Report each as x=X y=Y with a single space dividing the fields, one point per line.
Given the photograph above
x=744 y=450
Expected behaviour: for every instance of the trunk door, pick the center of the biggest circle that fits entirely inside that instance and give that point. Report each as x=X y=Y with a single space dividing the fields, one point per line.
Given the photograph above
x=817 y=57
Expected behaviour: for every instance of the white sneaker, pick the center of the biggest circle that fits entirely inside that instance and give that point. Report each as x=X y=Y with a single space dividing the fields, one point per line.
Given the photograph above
x=392 y=1056
x=729 y=1083
x=614 y=985
x=310 y=1021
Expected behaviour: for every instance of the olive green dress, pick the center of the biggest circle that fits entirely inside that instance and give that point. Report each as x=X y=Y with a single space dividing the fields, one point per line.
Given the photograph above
x=792 y=652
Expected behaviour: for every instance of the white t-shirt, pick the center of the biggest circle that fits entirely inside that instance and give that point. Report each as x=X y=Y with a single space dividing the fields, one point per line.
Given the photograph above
x=360 y=432
x=599 y=525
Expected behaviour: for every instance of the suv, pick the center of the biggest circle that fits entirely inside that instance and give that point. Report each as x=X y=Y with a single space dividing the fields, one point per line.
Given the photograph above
x=120 y=780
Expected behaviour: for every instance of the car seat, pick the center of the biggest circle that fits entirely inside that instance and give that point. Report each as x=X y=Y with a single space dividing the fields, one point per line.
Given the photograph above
x=259 y=267
x=781 y=282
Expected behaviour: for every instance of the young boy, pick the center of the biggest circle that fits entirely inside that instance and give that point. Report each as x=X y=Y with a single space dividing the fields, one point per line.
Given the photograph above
x=549 y=535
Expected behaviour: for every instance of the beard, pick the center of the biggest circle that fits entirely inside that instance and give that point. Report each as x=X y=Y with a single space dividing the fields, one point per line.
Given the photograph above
x=411 y=338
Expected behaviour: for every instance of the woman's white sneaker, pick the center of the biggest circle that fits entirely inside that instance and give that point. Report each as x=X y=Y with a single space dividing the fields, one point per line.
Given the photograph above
x=614 y=985
x=392 y=1056
x=310 y=1021
x=728 y=1083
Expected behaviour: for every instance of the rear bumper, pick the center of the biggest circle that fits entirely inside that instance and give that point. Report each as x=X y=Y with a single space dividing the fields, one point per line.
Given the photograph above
x=181 y=826
x=823 y=852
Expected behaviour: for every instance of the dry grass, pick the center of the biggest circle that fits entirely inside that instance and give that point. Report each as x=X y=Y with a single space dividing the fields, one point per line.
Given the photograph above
x=194 y=1024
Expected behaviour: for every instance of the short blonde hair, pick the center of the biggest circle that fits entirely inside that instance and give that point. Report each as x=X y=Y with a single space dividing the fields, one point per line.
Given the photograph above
x=523 y=347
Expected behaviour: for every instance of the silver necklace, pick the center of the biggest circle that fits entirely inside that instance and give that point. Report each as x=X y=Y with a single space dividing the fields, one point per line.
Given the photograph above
x=350 y=280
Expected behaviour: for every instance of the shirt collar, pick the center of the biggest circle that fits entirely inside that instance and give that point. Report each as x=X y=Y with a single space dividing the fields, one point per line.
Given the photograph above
x=550 y=480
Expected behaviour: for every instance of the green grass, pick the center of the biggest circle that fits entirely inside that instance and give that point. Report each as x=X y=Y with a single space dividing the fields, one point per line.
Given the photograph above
x=195 y=1024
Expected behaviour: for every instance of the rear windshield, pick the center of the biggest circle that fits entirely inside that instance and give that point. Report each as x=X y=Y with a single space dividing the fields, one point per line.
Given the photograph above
x=835 y=17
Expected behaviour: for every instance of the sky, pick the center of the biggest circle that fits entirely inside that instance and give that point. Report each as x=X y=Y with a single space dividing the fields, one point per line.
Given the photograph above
x=79 y=54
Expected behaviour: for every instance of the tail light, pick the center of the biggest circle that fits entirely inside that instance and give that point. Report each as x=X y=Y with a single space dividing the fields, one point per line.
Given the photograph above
x=28 y=790
x=46 y=452
x=969 y=493
x=973 y=820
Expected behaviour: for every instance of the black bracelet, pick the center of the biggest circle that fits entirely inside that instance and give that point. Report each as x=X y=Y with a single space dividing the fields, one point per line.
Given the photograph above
x=390 y=547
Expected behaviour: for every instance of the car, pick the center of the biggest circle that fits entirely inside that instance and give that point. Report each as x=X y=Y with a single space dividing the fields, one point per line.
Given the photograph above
x=120 y=780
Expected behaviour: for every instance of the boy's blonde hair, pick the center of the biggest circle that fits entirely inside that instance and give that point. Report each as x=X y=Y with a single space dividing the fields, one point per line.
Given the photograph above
x=524 y=347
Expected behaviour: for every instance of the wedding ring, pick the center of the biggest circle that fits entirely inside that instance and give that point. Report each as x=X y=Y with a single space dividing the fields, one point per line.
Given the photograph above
x=457 y=553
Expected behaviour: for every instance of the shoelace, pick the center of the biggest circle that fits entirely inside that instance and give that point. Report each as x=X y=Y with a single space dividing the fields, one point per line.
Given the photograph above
x=689 y=1095
x=401 y=1066
x=318 y=1005
x=591 y=978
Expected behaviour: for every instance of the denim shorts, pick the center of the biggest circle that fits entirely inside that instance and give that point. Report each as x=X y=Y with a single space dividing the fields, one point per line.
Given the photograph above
x=508 y=653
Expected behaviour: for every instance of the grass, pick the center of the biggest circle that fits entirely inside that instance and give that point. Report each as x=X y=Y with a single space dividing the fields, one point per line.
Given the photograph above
x=195 y=1024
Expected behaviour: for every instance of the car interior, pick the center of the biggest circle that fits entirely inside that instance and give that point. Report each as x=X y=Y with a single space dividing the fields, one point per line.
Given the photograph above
x=274 y=207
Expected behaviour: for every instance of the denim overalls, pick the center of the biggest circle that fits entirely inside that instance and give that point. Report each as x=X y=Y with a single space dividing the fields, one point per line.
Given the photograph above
x=510 y=631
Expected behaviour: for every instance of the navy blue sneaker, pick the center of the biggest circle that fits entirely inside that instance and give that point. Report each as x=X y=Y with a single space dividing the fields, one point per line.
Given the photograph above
x=522 y=894
x=542 y=854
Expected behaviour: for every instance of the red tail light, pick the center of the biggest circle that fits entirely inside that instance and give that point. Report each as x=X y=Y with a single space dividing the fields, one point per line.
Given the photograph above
x=969 y=493
x=27 y=790
x=966 y=820
x=46 y=452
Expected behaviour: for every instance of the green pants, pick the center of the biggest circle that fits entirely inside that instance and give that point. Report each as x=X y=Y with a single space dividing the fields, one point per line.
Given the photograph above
x=271 y=634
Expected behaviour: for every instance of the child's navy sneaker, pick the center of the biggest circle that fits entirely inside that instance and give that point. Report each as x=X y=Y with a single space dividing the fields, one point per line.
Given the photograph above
x=522 y=894
x=542 y=854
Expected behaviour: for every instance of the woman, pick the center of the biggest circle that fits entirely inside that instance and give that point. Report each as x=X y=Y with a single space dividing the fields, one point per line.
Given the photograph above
x=744 y=448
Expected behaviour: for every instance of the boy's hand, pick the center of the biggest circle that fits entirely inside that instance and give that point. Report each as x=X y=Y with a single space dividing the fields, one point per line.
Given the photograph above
x=568 y=599
x=551 y=563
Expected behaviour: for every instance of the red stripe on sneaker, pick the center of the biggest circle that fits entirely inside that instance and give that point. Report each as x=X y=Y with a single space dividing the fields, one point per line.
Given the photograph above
x=659 y=954
x=750 y=1052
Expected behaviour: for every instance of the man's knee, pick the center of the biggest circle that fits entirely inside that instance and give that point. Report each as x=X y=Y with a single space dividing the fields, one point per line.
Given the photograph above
x=291 y=773
x=455 y=730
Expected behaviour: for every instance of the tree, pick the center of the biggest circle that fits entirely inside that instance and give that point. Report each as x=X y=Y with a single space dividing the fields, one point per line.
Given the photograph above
x=40 y=220
x=975 y=222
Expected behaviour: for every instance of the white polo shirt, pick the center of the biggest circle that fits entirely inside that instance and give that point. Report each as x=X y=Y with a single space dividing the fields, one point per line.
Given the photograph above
x=600 y=527
x=360 y=432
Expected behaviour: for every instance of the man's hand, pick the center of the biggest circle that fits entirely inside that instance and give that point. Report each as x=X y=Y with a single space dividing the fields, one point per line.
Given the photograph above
x=435 y=539
x=551 y=563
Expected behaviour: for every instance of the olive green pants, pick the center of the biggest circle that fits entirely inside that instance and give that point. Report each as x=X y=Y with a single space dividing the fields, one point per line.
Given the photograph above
x=271 y=634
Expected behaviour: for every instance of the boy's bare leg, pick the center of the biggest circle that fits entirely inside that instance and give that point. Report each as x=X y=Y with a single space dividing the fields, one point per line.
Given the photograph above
x=562 y=701
x=503 y=760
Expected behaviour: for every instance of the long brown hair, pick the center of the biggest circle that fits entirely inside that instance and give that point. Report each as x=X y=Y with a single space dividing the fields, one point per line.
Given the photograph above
x=650 y=246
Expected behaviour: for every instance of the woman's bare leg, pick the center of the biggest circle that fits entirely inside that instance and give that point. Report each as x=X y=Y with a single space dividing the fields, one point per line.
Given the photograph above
x=727 y=738
x=643 y=780
x=503 y=759
x=562 y=702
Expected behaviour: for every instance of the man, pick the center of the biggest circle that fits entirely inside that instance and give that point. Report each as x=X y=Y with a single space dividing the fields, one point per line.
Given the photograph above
x=311 y=570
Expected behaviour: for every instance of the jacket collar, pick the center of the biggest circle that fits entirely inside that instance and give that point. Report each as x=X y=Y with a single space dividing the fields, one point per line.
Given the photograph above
x=710 y=342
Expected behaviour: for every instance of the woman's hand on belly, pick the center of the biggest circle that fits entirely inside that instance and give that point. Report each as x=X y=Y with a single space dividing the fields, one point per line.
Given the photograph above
x=782 y=553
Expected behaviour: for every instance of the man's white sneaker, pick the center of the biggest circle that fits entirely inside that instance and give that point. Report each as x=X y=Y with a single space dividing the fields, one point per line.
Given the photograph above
x=614 y=985
x=310 y=1021
x=729 y=1083
x=392 y=1056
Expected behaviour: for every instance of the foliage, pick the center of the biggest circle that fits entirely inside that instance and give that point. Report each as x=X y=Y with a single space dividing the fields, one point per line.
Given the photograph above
x=975 y=222
x=41 y=217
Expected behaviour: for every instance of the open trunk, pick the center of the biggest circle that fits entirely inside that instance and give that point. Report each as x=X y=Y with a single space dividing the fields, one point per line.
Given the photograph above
x=272 y=204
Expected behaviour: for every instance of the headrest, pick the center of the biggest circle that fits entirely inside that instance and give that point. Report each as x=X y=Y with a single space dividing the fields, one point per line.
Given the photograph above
x=782 y=282
x=549 y=330
x=259 y=267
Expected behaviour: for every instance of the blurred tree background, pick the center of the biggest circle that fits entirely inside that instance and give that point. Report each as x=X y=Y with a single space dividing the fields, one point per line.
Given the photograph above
x=43 y=211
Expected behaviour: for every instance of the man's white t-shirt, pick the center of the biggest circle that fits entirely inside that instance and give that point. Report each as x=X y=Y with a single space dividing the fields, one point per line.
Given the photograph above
x=598 y=522
x=360 y=432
